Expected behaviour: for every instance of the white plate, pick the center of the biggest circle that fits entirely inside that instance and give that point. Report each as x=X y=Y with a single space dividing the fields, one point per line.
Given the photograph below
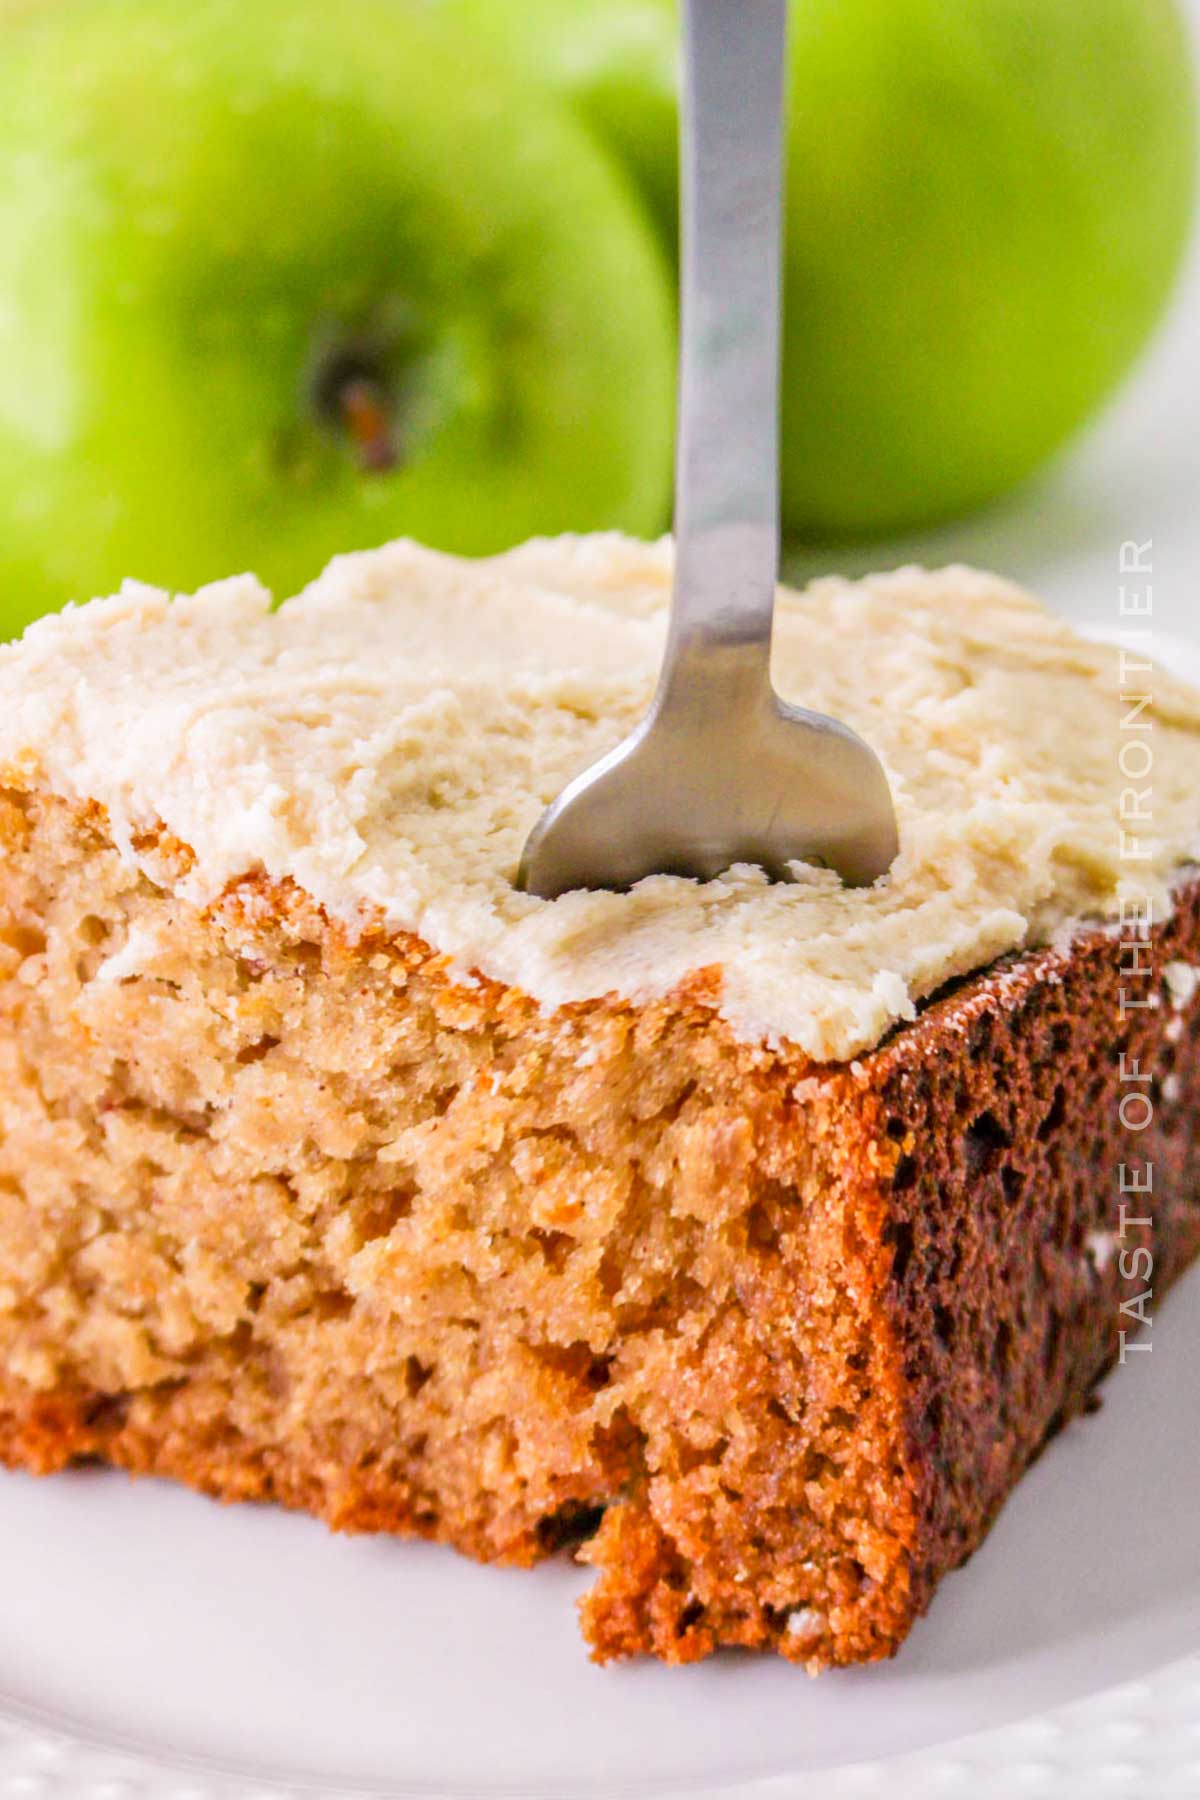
x=243 y=1639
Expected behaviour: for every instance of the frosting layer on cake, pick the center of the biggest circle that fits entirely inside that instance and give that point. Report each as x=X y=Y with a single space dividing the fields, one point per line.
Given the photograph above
x=388 y=738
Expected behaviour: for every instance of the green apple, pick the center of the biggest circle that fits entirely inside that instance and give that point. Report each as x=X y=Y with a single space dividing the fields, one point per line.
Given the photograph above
x=988 y=202
x=280 y=279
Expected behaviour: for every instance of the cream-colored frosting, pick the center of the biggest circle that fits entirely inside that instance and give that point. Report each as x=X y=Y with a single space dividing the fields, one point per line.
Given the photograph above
x=388 y=738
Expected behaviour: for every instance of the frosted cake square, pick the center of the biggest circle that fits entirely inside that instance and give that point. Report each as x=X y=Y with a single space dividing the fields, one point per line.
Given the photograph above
x=750 y=1239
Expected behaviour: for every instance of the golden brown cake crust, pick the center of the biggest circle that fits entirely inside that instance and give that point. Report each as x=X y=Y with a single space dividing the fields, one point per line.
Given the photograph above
x=289 y=1217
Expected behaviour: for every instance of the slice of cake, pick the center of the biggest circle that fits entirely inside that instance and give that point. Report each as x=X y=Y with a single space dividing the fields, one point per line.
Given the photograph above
x=751 y=1237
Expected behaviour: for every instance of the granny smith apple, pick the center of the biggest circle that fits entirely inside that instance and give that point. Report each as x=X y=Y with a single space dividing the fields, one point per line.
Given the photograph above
x=280 y=279
x=987 y=205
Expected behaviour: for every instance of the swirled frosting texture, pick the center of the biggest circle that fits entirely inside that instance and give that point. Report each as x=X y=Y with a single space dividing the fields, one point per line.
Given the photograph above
x=388 y=738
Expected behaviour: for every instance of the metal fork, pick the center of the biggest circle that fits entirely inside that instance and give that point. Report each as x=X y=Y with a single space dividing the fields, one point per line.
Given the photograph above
x=721 y=771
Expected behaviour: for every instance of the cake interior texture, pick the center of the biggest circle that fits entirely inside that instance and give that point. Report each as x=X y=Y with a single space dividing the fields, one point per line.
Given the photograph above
x=295 y=1207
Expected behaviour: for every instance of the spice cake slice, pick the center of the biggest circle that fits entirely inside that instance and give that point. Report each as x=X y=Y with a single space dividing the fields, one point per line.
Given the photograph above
x=753 y=1238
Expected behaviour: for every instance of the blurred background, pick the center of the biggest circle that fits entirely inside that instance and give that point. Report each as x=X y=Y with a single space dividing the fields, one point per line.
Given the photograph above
x=280 y=279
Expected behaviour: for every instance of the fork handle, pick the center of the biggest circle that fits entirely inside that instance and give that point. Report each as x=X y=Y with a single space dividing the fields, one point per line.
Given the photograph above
x=727 y=450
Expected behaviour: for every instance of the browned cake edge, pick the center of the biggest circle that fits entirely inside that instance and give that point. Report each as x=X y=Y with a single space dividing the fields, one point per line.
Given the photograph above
x=1028 y=1108
x=992 y=1162
x=936 y=1207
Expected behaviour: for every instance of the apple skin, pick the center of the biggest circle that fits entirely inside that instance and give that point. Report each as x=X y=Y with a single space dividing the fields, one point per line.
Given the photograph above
x=987 y=207
x=1009 y=184
x=207 y=211
x=615 y=61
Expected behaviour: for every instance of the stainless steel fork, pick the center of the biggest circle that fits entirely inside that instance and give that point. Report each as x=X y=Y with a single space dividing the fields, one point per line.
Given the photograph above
x=721 y=771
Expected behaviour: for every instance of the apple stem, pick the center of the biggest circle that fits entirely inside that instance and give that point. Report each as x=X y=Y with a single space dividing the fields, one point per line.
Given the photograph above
x=364 y=409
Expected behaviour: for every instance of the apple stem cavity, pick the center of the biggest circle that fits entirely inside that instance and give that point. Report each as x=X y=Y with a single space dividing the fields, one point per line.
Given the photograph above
x=355 y=400
x=365 y=413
